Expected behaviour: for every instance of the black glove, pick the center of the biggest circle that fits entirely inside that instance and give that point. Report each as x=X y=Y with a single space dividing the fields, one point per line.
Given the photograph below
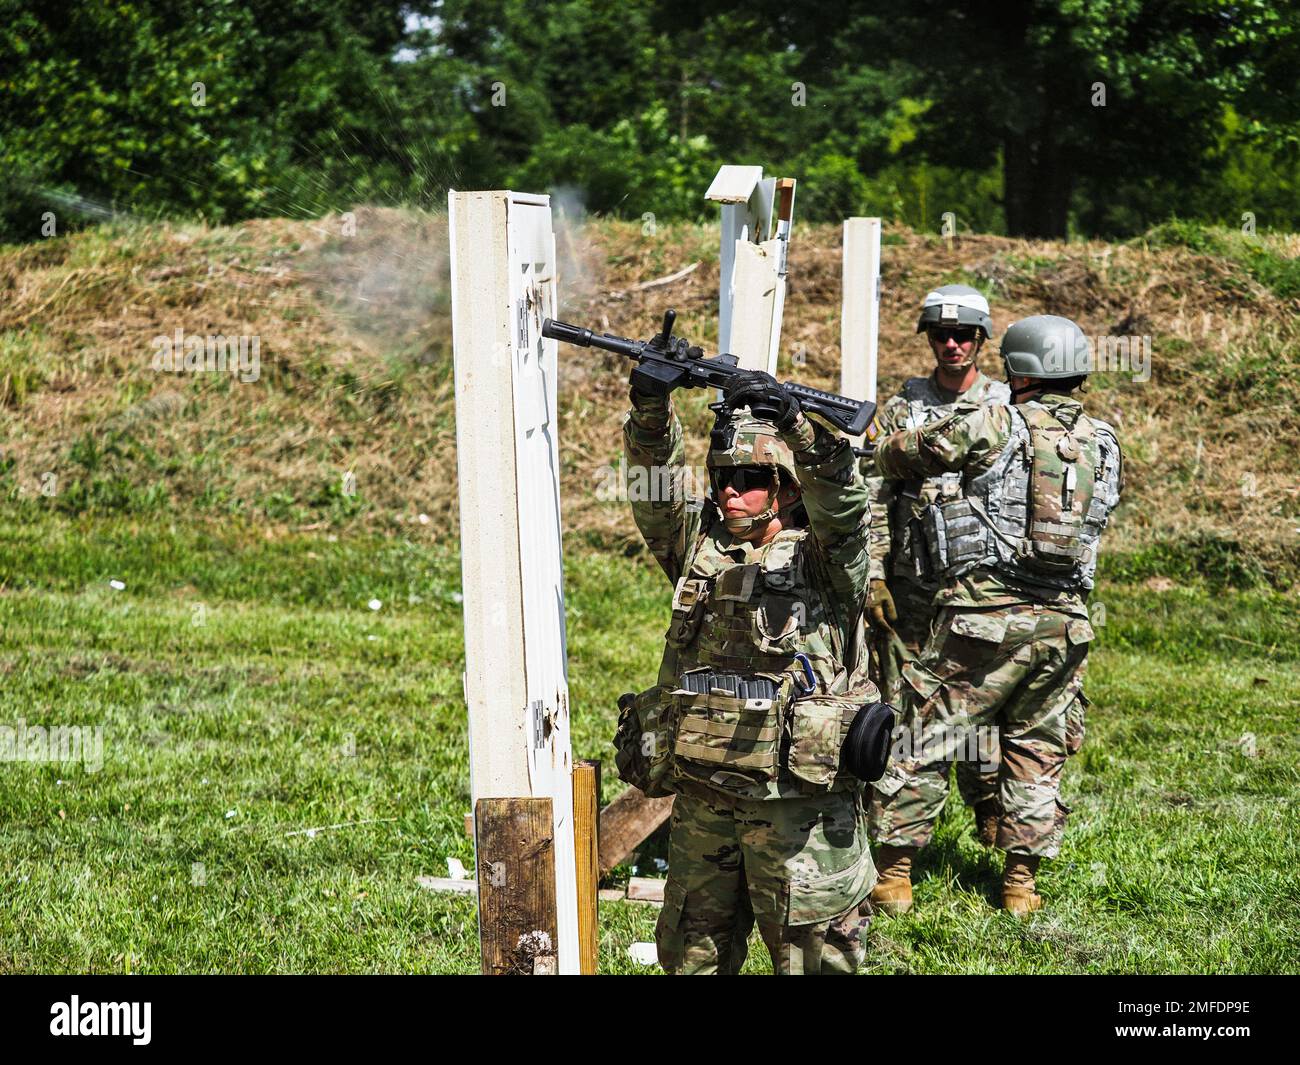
x=647 y=390
x=764 y=396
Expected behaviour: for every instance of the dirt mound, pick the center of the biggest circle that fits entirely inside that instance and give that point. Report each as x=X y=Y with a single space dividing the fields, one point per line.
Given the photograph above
x=348 y=421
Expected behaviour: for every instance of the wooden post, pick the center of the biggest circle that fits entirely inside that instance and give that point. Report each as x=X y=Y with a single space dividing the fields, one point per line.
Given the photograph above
x=860 y=308
x=503 y=284
x=785 y=219
x=586 y=822
x=754 y=303
x=518 y=930
x=746 y=199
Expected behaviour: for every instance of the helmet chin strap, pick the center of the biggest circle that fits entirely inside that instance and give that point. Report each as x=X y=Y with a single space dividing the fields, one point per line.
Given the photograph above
x=1016 y=393
x=965 y=364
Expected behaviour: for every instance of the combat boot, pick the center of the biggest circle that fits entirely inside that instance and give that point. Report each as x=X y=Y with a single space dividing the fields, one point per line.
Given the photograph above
x=1018 y=895
x=987 y=812
x=893 y=891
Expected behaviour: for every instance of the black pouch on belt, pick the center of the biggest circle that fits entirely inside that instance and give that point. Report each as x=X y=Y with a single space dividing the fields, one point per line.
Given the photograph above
x=866 y=747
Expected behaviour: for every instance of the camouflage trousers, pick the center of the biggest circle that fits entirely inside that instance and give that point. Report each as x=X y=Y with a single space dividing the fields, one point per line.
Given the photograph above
x=1008 y=674
x=977 y=780
x=801 y=866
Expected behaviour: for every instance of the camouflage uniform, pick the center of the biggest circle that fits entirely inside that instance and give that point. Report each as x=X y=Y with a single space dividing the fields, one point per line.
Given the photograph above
x=768 y=828
x=898 y=552
x=1009 y=645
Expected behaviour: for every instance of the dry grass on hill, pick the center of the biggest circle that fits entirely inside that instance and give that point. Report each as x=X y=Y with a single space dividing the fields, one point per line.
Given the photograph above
x=355 y=372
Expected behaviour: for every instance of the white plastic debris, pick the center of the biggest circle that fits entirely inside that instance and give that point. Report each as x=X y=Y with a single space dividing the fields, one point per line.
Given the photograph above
x=456 y=869
x=643 y=953
x=230 y=814
x=375 y=604
x=661 y=865
x=116 y=585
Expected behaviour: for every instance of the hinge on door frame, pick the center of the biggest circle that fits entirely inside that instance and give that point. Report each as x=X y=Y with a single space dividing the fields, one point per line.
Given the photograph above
x=522 y=324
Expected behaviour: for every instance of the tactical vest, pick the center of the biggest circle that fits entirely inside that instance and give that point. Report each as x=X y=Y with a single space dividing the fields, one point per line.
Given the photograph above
x=736 y=695
x=1037 y=514
x=926 y=404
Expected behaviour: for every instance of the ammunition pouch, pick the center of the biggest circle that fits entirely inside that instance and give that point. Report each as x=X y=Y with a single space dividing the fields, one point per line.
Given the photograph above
x=823 y=742
x=731 y=724
x=643 y=741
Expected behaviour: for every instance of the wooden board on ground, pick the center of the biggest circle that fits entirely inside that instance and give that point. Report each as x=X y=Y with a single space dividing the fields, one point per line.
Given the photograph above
x=516 y=878
x=626 y=822
x=646 y=889
x=445 y=883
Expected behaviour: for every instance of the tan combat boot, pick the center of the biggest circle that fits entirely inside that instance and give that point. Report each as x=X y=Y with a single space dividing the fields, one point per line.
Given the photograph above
x=893 y=891
x=986 y=813
x=1018 y=895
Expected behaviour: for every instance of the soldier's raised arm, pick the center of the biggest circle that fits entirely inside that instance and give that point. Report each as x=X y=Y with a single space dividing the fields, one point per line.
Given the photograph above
x=964 y=439
x=835 y=497
x=657 y=482
x=881 y=491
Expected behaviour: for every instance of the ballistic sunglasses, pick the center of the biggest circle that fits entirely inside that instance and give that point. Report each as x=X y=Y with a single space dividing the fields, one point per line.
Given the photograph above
x=961 y=334
x=743 y=478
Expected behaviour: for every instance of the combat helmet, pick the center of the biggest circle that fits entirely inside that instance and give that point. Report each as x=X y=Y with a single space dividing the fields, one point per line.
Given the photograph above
x=954 y=305
x=741 y=439
x=1046 y=347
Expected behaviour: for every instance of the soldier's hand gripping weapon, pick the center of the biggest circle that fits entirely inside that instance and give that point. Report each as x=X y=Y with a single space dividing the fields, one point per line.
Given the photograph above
x=668 y=362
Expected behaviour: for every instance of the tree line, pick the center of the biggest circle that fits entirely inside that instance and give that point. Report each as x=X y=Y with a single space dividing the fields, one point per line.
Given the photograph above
x=1041 y=118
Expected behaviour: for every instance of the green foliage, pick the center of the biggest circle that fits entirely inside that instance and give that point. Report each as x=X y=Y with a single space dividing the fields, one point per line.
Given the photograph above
x=224 y=109
x=635 y=168
x=1278 y=273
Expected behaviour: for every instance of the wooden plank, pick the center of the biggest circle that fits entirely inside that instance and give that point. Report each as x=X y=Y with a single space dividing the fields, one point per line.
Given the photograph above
x=586 y=825
x=492 y=571
x=444 y=883
x=517 y=921
x=646 y=889
x=626 y=822
x=860 y=308
x=754 y=302
x=734 y=184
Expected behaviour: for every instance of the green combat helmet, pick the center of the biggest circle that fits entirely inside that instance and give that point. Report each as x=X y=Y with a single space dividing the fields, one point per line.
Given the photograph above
x=744 y=440
x=1046 y=347
x=954 y=305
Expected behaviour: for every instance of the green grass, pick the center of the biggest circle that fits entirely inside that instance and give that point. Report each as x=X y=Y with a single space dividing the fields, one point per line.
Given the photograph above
x=248 y=693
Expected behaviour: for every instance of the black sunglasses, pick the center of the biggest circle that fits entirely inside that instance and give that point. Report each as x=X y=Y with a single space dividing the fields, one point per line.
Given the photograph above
x=943 y=335
x=743 y=478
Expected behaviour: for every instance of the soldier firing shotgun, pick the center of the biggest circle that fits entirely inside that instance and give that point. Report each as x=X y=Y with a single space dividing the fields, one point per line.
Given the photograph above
x=666 y=362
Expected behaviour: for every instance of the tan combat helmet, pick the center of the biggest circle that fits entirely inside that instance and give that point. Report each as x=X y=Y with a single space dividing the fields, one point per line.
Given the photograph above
x=744 y=440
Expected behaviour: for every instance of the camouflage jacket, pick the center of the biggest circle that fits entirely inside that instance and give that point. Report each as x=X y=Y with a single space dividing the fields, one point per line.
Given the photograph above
x=750 y=608
x=970 y=439
x=895 y=503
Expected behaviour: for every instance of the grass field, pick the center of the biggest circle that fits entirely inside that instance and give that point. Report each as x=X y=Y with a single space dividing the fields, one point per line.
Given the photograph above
x=248 y=692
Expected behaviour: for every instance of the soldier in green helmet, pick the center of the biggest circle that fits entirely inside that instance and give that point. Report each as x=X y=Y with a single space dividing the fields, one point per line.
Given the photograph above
x=903 y=583
x=757 y=687
x=1016 y=553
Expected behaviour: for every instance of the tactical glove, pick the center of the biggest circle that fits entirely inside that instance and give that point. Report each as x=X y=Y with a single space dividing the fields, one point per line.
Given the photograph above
x=764 y=396
x=647 y=395
x=881 y=611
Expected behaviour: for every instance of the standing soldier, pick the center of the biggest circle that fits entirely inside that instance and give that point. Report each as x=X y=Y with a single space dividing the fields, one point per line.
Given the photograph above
x=1017 y=552
x=900 y=604
x=758 y=682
